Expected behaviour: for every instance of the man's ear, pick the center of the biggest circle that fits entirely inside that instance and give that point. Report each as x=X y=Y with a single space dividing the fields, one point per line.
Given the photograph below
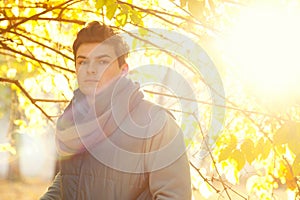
x=124 y=68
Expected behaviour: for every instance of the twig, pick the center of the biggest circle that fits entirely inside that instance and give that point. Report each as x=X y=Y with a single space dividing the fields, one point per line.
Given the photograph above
x=211 y=156
x=17 y=83
x=35 y=59
x=212 y=104
x=75 y=21
x=204 y=178
x=292 y=172
x=154 y=13
x=51 y=100
x=36 y=16
x=43 y=45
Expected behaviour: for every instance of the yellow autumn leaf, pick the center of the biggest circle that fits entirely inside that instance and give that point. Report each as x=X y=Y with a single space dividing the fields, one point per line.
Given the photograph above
x=291 y=184
x=233 y=140
x=267 y=146
x=296 y=166
x=111 y=7
x=258 y=147
x=247 y=148
x=99 y=4
x=239 y=157
x=281 y=149
x=280 y=136
x=121 y=19
x=292 y=132
x=224 y=153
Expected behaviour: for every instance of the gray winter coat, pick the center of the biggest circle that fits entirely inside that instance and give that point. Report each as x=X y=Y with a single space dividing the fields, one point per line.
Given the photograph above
x=83 y=177
x=131 y=162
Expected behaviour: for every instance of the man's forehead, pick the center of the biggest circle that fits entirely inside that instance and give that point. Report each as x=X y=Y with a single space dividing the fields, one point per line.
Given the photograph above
x=91 y=50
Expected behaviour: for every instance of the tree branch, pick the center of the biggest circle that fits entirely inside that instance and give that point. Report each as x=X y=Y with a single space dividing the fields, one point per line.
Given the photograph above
x=33 y=17
x=75 y=21
x=204 y=178
x=32 y=100
x=211 y=156
x=41 y=44
x=35 y=59
x=292 y=172
x=43 y=38
x=156 y=12
x=212 y=104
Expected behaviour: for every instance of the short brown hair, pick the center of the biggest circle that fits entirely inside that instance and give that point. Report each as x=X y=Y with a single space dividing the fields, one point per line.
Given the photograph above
x=95 y=32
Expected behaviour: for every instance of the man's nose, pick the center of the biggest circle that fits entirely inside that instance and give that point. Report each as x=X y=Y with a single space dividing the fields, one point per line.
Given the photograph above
x=92 y=68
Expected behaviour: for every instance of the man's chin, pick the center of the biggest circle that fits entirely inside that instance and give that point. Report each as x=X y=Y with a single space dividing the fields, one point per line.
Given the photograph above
x=90 y=91
x=93 y=91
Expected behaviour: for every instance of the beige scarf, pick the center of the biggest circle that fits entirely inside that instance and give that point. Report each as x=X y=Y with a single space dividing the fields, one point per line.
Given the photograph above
x=82 y=126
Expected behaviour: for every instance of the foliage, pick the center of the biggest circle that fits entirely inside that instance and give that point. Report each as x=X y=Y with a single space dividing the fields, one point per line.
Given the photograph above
x=37 y=62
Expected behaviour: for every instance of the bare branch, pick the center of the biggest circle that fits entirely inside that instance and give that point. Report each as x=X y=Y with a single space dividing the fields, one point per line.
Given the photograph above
x=33 y=17
x=212 y=104
x=43 y=45
x=17 y=83
x=74 y=21
x=292 y=172
x=51 y=100
x=35 y=59
x=204 y=178
x=156 y=12
x=211 y=156
x=42 y=38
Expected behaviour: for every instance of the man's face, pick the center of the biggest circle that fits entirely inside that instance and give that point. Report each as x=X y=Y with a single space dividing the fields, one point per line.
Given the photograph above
x=96 y=65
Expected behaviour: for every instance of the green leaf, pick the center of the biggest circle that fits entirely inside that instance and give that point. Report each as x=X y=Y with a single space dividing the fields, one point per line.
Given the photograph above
x=111 y=9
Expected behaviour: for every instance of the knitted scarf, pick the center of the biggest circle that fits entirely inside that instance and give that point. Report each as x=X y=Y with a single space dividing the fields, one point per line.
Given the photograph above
x=82 y=126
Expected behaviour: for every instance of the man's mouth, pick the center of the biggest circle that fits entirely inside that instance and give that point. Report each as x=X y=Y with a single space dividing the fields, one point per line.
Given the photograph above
x=91 y=81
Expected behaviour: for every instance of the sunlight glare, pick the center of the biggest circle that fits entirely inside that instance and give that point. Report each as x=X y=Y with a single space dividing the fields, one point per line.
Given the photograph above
x=265 y=47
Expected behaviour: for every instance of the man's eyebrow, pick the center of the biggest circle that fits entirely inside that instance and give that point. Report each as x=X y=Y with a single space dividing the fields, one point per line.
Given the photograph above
x=83 y=57
x=97 y=57
x=103 y=56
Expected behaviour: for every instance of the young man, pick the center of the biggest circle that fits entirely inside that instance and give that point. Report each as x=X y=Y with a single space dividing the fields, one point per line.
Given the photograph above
x=112 y=143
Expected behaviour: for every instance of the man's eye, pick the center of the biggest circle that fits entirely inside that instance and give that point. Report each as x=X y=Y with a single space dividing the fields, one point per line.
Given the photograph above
x=103 y=62
x=83 y=62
